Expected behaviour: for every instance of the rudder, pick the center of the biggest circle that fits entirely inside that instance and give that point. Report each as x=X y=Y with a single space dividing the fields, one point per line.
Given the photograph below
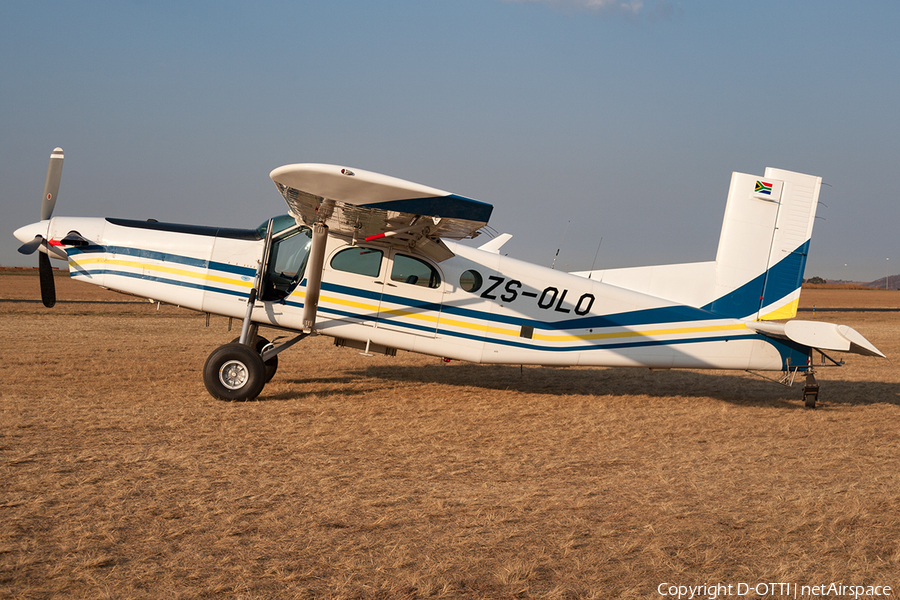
x=764 y=243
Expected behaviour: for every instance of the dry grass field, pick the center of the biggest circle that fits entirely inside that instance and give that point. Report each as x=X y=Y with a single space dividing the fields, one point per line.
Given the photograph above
x=355 y=477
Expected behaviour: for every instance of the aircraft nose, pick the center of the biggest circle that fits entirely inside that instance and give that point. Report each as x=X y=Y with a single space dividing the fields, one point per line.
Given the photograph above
x=28 y=232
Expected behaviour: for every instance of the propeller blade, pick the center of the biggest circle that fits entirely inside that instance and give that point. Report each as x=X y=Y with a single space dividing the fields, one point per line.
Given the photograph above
x=48 y=287
x=30 y=247
x=51 y=185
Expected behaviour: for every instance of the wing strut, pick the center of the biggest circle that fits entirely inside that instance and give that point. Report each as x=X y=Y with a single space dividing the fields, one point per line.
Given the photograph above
x=314 y=276
x=246 y=336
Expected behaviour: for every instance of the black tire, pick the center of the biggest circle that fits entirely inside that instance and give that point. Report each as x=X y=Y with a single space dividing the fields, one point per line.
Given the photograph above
x=810 y=399
x=234 y=372
x=271 y=364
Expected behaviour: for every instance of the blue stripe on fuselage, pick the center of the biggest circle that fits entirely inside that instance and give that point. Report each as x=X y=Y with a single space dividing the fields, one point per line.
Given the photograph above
x=164 y=257
x=650 y=316
x=776 y=283
x=729 y=306
x=87 y=273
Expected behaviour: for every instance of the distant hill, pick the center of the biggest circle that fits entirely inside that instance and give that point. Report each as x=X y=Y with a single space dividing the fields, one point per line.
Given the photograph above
x=893 y=283
x=892 y=280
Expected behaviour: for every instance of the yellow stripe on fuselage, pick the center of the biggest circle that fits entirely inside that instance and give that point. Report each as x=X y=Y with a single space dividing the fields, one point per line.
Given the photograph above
x=204 y=276
x=644 y=333
x=420 y=316
x=431 y=317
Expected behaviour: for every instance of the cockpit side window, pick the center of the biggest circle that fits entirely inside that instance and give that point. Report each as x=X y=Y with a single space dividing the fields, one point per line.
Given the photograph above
x=362 y=261
x=287 y=264
x=413 y=271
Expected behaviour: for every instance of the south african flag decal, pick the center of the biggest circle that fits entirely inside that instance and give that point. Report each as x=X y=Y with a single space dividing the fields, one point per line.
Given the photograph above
x=763 y=188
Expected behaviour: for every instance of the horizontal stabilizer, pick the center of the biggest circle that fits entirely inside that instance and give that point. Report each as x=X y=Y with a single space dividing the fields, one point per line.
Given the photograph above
x=822 y=336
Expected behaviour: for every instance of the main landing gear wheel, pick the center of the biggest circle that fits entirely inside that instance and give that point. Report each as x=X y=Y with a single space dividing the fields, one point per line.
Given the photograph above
x=234 y=372
x=272 y=363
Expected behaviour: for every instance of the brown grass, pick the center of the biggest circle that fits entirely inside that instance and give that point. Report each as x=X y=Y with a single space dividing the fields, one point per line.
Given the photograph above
x=839 y=286
x=356 y=477
x=841 y=298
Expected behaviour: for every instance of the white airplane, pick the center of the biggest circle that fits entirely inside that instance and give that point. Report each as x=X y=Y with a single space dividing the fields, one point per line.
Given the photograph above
x=371 y=261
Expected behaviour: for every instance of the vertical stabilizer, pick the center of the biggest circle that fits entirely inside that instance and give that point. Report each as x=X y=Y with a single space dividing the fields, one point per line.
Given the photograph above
x=764 y=243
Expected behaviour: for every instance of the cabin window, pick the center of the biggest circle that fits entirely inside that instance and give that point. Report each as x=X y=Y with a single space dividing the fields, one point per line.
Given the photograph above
x=470 y=281
x=287 y=264
x=413 y=271
x=362 y=261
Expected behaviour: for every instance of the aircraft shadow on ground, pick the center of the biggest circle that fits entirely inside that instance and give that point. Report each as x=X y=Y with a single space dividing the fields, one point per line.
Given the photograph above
x=739 y=388
x=325 y=387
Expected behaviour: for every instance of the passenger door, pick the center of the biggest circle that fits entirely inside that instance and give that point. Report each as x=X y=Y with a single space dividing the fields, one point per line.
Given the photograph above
x=412 y=295
x=353 y=284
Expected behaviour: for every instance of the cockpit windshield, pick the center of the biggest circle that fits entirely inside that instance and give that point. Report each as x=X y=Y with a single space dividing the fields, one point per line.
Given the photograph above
x=281 y=223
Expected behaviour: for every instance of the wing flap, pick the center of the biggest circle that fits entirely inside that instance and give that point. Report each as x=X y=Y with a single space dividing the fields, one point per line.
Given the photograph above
x=362 y=204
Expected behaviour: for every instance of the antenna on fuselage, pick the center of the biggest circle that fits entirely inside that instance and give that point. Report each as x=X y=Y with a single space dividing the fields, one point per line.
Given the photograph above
x=596 y=254
x=553 y=265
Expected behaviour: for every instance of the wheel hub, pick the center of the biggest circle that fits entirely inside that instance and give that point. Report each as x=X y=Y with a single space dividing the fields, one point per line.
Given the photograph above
x=233 y=374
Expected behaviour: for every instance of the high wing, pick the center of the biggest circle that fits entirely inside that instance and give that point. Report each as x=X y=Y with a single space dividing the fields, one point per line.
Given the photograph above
x=365 y=206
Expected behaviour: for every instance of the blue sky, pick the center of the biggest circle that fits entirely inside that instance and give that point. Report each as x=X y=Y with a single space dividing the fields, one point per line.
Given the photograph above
x=616 y=120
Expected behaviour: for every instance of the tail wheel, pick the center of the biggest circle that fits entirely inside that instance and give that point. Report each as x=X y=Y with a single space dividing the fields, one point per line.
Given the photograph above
x=810 y=390
x=234 y=372
x=272 y=363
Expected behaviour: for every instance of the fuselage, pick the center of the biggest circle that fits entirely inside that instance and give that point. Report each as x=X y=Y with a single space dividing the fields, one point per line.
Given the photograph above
x=477 y=306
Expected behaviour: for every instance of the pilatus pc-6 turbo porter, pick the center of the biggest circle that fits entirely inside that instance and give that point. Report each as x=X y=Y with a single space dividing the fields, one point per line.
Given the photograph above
x=373 y=262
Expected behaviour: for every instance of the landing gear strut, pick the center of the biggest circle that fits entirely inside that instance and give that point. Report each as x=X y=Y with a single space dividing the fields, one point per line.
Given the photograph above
x=240 y=370
x=811 y=388
x=261 y=345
